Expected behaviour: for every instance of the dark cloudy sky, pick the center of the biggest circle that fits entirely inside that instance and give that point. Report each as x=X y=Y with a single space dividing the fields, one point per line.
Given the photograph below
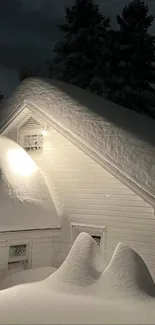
x=28 y=31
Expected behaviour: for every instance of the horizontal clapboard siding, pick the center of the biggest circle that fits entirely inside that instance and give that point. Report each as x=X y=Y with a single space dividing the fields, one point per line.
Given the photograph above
x=31 y=124
x=41 y=243
x=13 y=135
x=3 y=259
x=93 y=196
x=42 y=252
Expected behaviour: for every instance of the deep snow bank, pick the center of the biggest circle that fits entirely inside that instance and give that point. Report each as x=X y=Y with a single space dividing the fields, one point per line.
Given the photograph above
x=83 y=266
x=127 y=274
x=44 y=302
x=27 y=276
x=24 y=195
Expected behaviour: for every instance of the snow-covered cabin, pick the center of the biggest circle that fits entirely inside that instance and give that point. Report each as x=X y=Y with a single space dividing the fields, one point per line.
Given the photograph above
x=100 y=156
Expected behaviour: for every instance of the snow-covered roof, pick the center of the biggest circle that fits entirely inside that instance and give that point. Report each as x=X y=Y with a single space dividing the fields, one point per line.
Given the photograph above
x=123 y=139
x=81 y=291
x=26 y=201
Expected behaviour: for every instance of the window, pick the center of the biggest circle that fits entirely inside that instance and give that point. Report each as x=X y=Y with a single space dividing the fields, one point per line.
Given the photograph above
x=96 y=232
x=33 y=142
x=17 y=250
x=97 y=239
x=18 y=257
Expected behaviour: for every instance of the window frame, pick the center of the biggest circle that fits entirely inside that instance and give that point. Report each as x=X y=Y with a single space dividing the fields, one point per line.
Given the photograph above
x=23 y=256
x=96 y=237
x=92 y=230
x=30 y=133
x=26 y=259
x=39 y=147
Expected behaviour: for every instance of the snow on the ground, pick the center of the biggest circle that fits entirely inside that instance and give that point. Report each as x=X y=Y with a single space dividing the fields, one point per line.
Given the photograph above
x=26 y=276
x=115 y=135
x=82 y=292
x=25 y=199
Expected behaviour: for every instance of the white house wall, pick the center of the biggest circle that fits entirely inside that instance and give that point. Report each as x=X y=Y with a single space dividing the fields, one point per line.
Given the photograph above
x=93 y=196
x=41 y=247
x=12 y=131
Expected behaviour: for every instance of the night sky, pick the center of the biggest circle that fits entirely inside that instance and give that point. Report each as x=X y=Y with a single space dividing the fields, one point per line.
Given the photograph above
x=28 y=32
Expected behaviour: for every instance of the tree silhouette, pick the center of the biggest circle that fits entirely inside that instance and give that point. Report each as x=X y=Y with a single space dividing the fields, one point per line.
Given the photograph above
x=133 y=59
x=85 y=47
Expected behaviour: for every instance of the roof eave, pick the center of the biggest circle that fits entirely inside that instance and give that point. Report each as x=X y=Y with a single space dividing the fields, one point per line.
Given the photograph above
x=12 y=116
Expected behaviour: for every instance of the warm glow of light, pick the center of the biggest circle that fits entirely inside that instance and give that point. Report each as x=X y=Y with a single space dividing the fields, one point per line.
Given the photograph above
x=44 y=132
x=21 y=163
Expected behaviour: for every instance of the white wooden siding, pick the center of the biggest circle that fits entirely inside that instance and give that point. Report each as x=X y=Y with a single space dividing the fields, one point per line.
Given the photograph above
x=41 y=244
x=42 y=252
x=3 y=261
x=92 y=195
x=31 y=124
x=13 y=134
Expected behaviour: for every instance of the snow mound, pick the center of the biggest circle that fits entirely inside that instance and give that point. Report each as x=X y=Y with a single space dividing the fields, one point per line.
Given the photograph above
x=42 y=302
x=27 y=276
x=128 y=273
x=25 y=199
x=84 y=264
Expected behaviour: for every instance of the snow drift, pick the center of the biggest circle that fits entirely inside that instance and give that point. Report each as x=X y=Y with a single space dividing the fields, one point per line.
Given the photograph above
x=25 y=199
x=83 y=266
x=67 y=297
x=127 y=274
x=26 y=276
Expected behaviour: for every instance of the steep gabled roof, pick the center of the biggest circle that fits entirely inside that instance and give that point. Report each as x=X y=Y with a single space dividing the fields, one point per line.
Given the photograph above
x=123 y=139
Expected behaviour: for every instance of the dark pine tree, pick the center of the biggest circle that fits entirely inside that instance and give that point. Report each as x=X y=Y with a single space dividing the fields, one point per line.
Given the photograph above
x=84 y=51
x=1 y=96
x=133 y=56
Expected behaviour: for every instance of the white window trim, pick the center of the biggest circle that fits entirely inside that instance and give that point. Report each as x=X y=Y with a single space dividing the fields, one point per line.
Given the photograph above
x=30 y=133
x=26 y=258
x=34 y=137
x=21 y=133
x=92 y=230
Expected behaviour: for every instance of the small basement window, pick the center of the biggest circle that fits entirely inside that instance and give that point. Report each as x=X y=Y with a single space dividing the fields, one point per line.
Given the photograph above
x=17 y=250
x=18 y=259
x=33 y=142
x=97 y=239
x=95 y=231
